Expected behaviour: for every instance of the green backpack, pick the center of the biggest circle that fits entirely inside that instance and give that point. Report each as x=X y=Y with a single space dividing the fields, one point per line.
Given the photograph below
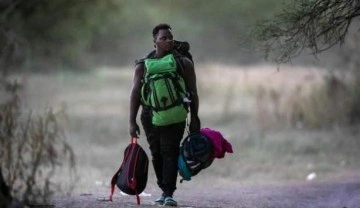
x=164 y=91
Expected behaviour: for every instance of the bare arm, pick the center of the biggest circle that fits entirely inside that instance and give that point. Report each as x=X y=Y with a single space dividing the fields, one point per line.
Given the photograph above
x=135 y=99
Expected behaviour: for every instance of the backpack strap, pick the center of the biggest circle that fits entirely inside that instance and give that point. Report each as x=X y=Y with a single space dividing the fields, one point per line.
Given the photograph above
x=115 y=177
x=134 y=141
x=179 y=62
x=142 y=60
x=177 y=56
x=179 y=66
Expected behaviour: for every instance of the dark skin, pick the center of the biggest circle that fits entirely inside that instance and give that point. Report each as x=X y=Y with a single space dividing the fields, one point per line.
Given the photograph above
x=164 y=45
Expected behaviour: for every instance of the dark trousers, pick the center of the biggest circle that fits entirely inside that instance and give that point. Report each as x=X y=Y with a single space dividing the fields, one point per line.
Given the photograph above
x=164 y=144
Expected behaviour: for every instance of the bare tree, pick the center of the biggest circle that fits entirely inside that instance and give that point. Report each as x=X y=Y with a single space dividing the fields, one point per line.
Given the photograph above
x=311 y=26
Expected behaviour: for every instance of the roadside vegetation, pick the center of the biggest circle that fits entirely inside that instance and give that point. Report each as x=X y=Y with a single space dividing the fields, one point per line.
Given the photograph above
x=33 y=148
x=285 y=121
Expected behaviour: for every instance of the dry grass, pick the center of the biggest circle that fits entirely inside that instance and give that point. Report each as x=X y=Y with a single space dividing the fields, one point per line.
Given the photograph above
x=289 y=97
x=32 y=148
x=248 y=104
x=256 y=91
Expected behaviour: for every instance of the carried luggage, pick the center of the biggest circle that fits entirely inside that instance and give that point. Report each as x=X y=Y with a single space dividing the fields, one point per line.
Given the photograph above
x=198 y=151
x=131 y=178
x=195 y=155
x=164 y=91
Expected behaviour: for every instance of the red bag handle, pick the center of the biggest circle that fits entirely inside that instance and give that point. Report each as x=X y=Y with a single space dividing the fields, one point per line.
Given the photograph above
x=134 y=140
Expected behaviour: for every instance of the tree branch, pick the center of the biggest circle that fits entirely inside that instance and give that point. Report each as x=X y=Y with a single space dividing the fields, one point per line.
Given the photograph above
x=316 y=25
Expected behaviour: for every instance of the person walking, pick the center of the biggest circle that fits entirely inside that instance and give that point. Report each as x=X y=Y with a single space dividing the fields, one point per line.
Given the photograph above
x=164 y=118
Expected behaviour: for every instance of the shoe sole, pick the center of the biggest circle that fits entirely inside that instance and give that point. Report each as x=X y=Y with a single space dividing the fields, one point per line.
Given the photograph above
x=159 y=203
x=170 y=204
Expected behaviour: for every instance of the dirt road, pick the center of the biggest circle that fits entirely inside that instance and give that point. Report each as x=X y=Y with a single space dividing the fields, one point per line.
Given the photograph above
x=343 y=193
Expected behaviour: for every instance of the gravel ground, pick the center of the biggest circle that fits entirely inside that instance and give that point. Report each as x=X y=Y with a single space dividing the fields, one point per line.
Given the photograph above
x=337 y=194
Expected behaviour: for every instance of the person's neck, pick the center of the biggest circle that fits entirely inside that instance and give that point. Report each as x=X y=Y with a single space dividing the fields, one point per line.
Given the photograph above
x=160 y=54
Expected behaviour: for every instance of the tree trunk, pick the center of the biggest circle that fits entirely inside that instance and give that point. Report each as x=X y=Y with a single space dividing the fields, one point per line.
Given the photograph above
x=5 y=197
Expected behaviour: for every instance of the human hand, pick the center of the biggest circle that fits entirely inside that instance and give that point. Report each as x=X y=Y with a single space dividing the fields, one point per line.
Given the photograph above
x=134 y=130
x=195 y=124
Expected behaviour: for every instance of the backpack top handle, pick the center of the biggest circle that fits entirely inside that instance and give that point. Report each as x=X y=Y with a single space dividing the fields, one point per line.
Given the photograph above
x=133 y=140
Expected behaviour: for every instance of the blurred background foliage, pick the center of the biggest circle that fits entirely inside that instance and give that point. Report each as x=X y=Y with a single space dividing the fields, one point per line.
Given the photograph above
x=59 y=34
x=282 y=123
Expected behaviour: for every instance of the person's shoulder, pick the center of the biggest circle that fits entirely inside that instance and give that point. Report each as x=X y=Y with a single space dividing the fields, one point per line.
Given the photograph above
x=185 y=61
x=141 y=61
x=140 y=64
x=139 y=69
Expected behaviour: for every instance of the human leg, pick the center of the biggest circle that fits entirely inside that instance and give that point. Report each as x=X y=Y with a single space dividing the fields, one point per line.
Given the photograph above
x=170 y=138
x=153 y=139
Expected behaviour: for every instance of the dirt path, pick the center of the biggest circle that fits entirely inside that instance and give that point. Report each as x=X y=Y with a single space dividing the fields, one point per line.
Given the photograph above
x=339 y=194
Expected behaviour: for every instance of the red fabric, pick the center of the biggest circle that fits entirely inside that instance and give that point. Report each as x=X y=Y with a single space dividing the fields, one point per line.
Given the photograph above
x=220 y=144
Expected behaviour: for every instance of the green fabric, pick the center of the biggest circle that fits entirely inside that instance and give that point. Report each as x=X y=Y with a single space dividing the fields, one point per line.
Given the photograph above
x=156 y=66
x=163 y=91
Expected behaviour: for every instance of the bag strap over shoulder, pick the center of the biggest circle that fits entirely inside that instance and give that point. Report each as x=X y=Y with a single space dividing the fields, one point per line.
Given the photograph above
x=177 y=56
x=142 y=60
x=176 y=53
